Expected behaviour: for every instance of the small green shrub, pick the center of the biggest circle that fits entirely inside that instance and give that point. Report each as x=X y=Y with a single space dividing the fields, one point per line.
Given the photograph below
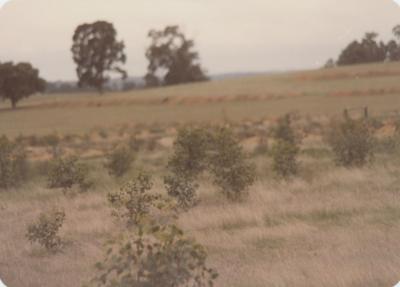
x=228 y=164
x=197 y=150
x=284 y=156
x=182 y=189
x=351 y=142
x=189 y=160
x=284 y=131
x=45 y=230
x=119 y=161
x=67 y=173
x=13 y=164
x=134 y=201
x=285 y=149
x=190 y=152
x=161 y=257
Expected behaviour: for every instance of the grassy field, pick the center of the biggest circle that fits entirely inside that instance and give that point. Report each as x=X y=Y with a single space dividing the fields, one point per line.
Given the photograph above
x=329 y=226
x=321 y=92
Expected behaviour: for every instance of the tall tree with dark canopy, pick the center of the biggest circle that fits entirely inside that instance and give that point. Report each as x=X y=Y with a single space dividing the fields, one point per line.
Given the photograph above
x=366 y=51
x=393 y=47
x=172 y=59
x=97 y=53
x=18 y=81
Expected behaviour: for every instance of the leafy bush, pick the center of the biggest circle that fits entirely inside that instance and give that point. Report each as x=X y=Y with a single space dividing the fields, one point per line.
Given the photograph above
x=13 y=164
x=190 y=152
x=119 y=161
x=286 y=149
x=228 y=164
x=182 y=189
x=67 y=173
x=45 y=230
x=160 y=257
x=351 y=142
x=134 y=200
x=285 y=159
x=284 y=131
x=197 y=150
x=189 y=160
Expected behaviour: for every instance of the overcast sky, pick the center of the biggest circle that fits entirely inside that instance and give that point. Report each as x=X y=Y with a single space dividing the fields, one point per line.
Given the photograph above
x=231 y=35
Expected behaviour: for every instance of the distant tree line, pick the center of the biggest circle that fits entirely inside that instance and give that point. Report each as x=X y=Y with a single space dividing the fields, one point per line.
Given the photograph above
x=98 y=54
x=369 y=50
x=68 y=87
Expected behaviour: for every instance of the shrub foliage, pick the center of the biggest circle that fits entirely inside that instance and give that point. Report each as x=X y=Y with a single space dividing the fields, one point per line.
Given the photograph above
x=13 y=164
x=162 y=256
x=119 y=161
x=67 y=173
x=228 y=164
x=190 y=158
x=134 y=201
x=285 y=159
x=45 y=230
x=285 y=149
x=183 y=189
x=216 y=151
x=351 y=142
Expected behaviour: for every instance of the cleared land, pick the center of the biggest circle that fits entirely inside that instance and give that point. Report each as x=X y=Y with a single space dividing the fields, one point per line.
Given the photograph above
x=330 y=226
x=322 y=92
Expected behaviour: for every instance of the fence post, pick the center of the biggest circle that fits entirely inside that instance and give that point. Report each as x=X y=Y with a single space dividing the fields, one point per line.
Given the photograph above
x=366 y=113
x=346 y=114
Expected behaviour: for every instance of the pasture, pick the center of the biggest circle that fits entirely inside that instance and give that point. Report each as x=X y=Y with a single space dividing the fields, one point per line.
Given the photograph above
x=329 y=226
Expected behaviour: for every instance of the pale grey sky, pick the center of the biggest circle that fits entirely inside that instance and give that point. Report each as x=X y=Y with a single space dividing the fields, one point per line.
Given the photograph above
x=231 y=35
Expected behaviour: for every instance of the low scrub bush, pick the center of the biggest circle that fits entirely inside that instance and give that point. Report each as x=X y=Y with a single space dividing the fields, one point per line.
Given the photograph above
x=218 y=152
x=13 y=164
x=351 y=142
x=119 y=161
x=284 y=130
x=190 y=152
x=45 y=230
x=285 y=149
x=229 y=165
x=162 y=256
x=134 y=201
x=183 y=189
x=284 y=156
x=189 y=160
x=67 y=173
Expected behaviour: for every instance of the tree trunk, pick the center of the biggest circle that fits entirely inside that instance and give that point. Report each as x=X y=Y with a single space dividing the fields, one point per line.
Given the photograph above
x=13 y=104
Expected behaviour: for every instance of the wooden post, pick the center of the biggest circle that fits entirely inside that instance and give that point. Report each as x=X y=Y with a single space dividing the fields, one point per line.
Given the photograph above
x=366 y=113
x=346 y=114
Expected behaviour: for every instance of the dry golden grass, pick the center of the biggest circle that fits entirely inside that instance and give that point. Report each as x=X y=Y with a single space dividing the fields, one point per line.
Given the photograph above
x=329 y=227
x=339 y=229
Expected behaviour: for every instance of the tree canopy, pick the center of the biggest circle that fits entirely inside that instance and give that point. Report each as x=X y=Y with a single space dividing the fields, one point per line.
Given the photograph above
x=172 y=59
x=369 y=50
x=366 y=51
x=18 y=81
x=97 y=53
